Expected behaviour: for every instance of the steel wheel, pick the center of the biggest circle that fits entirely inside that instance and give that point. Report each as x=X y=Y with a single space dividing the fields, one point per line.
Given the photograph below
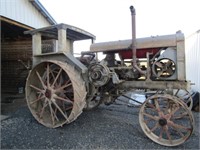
x=182 y=94
x=55 y=93
x=185 y=96
x=93 y=99
x=160 y=120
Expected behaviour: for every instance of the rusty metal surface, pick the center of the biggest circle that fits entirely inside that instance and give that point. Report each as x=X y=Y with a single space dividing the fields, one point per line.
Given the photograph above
x=156 y=125
x=155 y=85
x=148 y=42
x=55 y=93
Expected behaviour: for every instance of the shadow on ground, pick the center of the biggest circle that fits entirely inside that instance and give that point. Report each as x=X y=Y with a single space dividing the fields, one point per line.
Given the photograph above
x=109 y=127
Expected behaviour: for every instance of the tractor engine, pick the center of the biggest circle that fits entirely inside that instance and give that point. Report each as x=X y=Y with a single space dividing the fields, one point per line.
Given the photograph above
x=144 y=62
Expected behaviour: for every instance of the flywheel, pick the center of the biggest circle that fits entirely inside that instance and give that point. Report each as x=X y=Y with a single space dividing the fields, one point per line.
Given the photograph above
x=55 y=93
x=164 y=68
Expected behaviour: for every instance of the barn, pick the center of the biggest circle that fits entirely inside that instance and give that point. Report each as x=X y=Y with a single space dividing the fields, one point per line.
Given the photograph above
x=18 y=16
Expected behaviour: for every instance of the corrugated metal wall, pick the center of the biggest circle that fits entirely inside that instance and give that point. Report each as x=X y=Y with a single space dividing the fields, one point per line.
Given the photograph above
x=24 y=12
x=193 y=59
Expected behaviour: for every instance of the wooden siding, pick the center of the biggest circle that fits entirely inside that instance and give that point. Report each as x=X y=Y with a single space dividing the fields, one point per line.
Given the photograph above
x=13 y=73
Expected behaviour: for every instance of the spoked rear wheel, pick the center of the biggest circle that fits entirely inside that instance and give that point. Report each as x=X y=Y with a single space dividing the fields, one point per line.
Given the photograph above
x=160 y=120
x=55 y=93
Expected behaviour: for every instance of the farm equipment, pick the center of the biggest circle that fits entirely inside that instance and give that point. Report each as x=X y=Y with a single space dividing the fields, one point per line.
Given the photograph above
x=60 y=86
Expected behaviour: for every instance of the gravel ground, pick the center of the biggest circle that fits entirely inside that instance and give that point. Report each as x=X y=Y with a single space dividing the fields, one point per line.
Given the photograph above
x=109 y=127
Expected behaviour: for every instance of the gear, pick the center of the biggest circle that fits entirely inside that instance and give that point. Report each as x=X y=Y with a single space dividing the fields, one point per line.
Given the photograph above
x=98 y=74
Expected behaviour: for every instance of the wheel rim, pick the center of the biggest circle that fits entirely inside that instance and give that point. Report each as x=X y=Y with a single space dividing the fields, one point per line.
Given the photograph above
x=51 y=95
x=185 y=96
x=93 y=99
x=182 y=94
x=160 y=120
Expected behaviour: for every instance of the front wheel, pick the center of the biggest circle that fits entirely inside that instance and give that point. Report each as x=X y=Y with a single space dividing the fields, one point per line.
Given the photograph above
x=161 y=119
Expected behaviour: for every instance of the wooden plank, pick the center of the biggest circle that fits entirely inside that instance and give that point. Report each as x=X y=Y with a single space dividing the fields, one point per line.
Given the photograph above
x=15 y=23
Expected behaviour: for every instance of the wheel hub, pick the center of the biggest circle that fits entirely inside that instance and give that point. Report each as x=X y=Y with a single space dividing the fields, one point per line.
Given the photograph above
x=162 y=122
x=96 y=75
x=48 y=93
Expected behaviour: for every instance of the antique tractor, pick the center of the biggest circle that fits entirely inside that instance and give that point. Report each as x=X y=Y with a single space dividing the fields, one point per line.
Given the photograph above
x=60 y=86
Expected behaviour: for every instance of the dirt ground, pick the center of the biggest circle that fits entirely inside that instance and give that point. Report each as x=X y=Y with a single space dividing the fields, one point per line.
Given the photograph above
x=108 y=127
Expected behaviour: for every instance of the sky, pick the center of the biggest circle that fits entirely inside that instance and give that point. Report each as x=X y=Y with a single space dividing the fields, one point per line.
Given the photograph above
x=110 y=20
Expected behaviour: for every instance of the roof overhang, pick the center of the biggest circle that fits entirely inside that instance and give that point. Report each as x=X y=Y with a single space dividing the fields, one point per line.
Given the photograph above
x=43 y=11
x=73 y=33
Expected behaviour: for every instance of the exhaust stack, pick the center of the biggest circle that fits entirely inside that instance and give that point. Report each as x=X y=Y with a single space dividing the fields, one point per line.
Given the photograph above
x=135 y=66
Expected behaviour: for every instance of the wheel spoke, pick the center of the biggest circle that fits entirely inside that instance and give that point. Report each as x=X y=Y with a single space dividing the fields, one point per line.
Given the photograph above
x=51 y=72
x=176 y=92
x=150 y=105
x=62 y=87
x=155 y=127
x=48 y=85
x=150 y=116
x=55 y=114
x=60 y=81
x=44 y=106
x=179 y=132
x=52 y=115
x=56 y=77
x=60 y=111
x=179 y=126
x=34 y=87
x=174 y=111
x=68 y=108
x=34 y=101
x=43 y=85
x=185 y=97
x=147 y=121
x=168 y=134
x=161 y=134
x=64 y=99
x=181 y=115
x=157 y=105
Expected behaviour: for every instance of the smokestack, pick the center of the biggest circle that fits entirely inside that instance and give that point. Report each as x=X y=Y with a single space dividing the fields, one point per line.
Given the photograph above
x=133 y=13
x=133 y=33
